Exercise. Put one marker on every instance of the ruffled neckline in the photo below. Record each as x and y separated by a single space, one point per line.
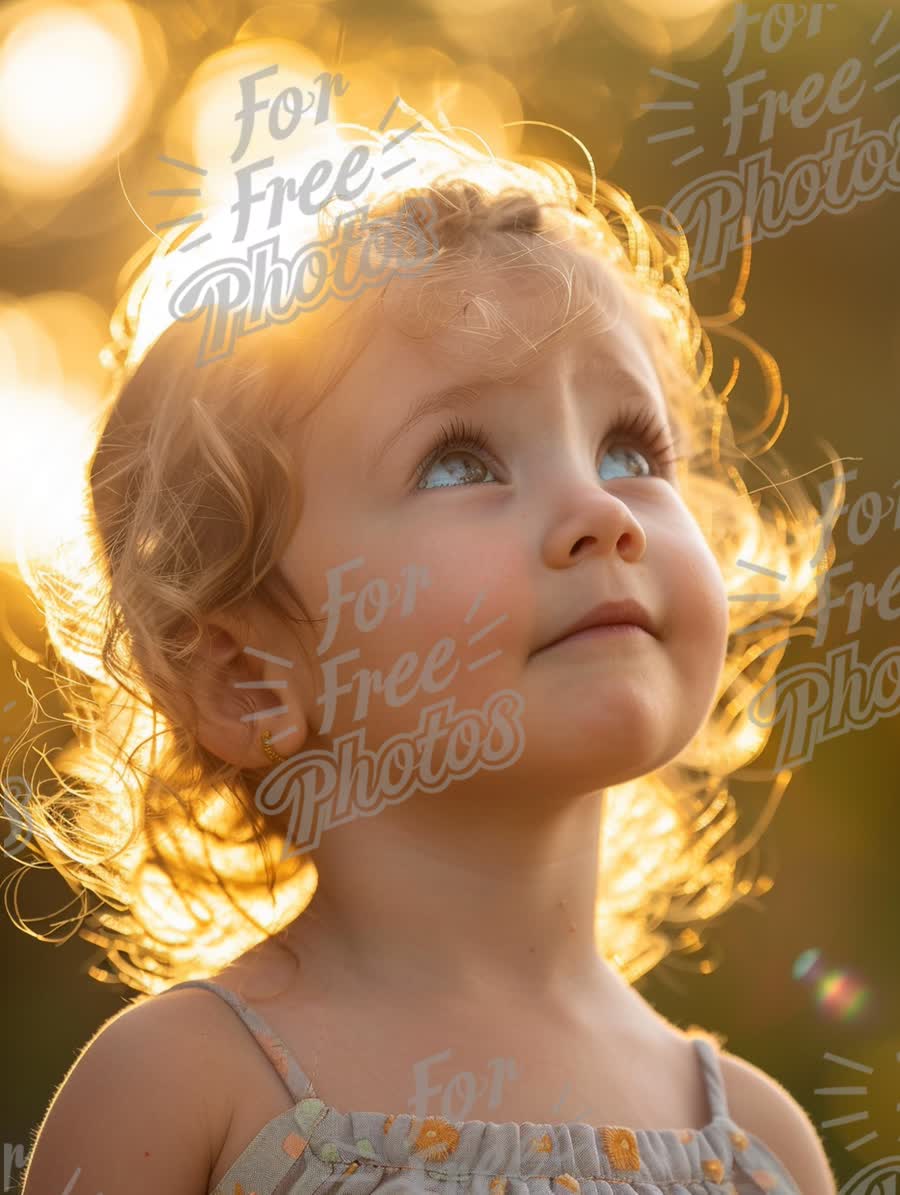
569 1151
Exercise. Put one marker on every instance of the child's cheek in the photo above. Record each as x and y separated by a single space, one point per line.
420 628
475 601
702 602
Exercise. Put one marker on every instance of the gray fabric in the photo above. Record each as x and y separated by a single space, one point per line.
313 1148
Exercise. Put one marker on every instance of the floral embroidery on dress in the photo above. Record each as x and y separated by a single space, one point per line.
764 1179
739 1139
307 1113
686 1136
497 1186
437 1139
714 1169
294 1145
542 1145
570 1183
622 1148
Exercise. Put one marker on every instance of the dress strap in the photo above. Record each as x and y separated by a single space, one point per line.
287 1067
707 1051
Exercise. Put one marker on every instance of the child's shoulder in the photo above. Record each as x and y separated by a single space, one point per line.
140 1109
174 1038
764 1107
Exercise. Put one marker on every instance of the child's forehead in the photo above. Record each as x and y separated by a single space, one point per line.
503 321
479 325
406 382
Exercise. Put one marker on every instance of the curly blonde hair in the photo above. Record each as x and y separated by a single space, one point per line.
192 497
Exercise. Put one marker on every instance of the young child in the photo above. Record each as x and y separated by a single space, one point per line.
414 684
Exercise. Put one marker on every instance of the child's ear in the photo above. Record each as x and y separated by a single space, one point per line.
247 679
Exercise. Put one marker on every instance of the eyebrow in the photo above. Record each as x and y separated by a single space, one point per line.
449 399
452 398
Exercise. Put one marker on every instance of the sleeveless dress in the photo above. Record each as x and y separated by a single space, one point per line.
313 1149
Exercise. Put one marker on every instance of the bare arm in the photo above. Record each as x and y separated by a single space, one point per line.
759 1103
139 1112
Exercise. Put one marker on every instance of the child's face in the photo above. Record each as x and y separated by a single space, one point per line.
556 517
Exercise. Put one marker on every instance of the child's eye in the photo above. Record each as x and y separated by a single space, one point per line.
643 428
459 436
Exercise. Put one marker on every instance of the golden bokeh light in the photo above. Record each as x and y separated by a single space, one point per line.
482 101
51 388
204 127
311 25
663 28
680 10
74 90
417 70
499 29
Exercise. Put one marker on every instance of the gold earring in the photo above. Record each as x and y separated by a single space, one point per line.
269 749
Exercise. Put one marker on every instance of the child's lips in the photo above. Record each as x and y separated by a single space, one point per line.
609 619
610 630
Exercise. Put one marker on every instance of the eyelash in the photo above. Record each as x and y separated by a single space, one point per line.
642 426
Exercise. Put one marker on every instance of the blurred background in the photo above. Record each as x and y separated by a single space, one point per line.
696 104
